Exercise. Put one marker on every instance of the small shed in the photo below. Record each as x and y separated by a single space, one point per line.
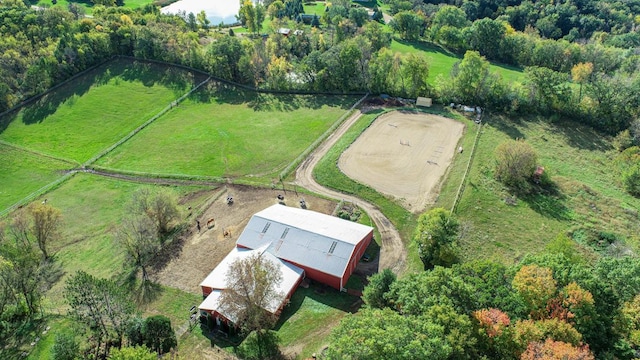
284 31
424 101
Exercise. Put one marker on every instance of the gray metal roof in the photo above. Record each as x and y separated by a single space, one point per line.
305 237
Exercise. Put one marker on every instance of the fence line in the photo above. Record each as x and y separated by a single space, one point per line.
55 87
243 86
139 128
294 164
35 194
466 172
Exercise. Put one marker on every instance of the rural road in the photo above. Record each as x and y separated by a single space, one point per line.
393 254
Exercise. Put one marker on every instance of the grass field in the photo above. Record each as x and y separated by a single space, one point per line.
87 5
227 132
91 208
442 61
89 114
587 198
311 314
23 172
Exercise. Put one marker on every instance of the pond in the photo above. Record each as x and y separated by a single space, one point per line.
218 11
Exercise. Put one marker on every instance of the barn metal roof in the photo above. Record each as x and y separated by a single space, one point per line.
305 237
216 280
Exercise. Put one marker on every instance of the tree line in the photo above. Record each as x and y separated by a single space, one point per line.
552 305
341 51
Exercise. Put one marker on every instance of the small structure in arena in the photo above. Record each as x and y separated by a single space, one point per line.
424 101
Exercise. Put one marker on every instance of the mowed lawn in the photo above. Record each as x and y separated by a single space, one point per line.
441 62
23 172
224 131
89 114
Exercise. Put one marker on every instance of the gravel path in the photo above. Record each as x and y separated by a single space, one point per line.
393 254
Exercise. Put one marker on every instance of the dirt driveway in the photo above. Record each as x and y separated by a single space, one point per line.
393 254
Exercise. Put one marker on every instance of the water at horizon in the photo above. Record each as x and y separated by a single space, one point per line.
217 10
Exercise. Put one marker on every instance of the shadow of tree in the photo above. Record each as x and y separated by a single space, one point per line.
223 93
548 201
511 127
142 292
322 294
149 74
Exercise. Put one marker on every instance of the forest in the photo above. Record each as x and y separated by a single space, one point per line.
579 60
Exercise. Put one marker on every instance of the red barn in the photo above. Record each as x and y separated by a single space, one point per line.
326 247
213 285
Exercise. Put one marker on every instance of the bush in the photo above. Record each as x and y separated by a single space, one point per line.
158 334
631 180
65 347
516 163
260 345
623 140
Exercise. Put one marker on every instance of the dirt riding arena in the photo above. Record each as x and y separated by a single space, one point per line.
202 250
404 154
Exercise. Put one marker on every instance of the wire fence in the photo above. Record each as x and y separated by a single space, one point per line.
466 172
294 164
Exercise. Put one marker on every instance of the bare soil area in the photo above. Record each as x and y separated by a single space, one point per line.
199 252
404 154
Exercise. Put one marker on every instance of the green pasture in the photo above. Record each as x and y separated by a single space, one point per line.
441 61
92 207
87 5
23 172
88 114
586 194
224 131
314 8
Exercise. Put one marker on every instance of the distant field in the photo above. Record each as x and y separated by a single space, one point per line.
91 113
441 61
88 6
224 131
22 173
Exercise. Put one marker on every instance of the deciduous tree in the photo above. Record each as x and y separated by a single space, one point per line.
536 286
252 286
516 162
46 222
550 349
374 293
436 236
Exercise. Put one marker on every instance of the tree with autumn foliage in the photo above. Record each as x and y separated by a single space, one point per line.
580 73
536 286
553 350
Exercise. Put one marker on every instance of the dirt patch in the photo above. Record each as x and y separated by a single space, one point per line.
404 154
203 250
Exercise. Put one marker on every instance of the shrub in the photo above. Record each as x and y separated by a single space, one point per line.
158 334
631 180
623 140
65 347
516 162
